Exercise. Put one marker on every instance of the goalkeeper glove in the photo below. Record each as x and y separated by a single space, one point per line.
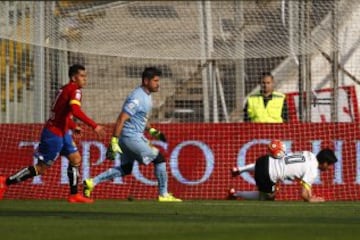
157 134
113 148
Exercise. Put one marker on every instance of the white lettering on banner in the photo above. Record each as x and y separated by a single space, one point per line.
357 162
316 145
338 178
209 161
86 145
63 172
241 158
140 177
174 162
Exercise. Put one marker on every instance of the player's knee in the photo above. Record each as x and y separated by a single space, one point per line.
126 169
270 197
75 164
159 159
75 159
267 196
41 168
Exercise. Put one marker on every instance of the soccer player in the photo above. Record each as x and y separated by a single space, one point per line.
275 149
129 141
269 171
56 136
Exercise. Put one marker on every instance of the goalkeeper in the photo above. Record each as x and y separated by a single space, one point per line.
270 170
129 141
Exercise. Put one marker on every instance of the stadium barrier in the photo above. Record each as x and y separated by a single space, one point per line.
199 158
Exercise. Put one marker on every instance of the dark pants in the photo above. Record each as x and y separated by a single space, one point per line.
262 177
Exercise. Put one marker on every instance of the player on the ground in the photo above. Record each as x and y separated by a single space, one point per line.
302 166
129 141
56 136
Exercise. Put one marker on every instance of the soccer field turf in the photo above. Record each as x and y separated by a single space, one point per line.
106 219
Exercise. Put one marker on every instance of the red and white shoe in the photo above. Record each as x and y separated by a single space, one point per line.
79 198
235 171
3 186
231 194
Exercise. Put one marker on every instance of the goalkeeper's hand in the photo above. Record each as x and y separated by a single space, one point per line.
113 149
157 134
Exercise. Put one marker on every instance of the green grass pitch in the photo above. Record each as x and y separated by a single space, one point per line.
106 219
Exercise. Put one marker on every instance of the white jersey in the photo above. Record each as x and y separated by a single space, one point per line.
298 165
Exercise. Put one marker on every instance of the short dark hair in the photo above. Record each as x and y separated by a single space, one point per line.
266 74
326 155
151 72
74 69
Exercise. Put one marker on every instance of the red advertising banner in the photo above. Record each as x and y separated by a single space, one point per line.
199 159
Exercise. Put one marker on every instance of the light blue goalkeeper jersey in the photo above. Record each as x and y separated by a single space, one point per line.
138 106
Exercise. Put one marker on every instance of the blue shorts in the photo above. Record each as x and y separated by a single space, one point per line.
52 145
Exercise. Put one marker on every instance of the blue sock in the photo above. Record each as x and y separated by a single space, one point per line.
107 175
161 175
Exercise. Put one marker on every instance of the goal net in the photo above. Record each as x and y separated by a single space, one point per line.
212 55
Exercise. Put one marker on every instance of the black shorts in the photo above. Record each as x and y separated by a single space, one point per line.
262 177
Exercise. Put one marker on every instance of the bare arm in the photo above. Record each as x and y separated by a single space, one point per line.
307 195
122 118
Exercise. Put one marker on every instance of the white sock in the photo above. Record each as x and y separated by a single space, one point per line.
247 168
248 195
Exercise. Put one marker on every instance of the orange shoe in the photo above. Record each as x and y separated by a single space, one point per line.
3 186
231 194
78 198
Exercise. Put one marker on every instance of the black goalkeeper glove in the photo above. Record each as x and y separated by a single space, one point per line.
157 134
